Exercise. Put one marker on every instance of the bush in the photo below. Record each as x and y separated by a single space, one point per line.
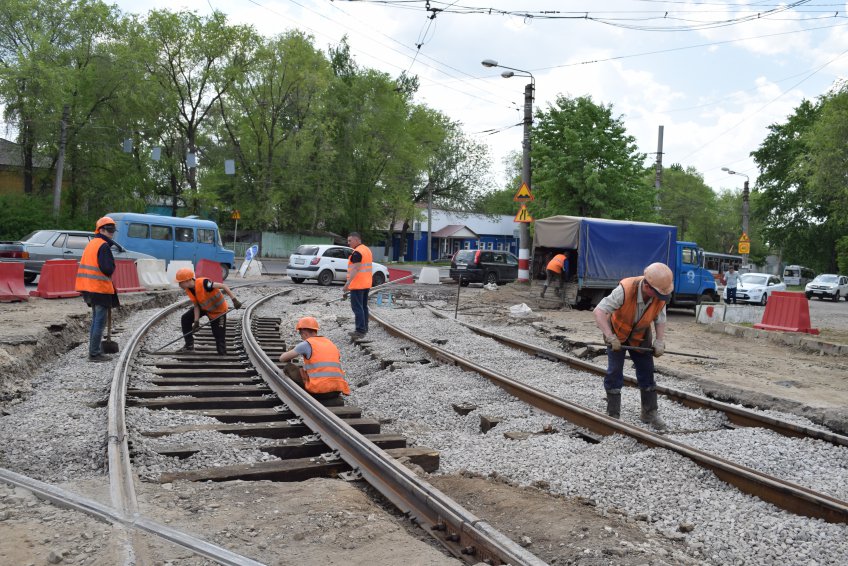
842 254
20 215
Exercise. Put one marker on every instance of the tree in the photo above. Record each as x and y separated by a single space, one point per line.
685 201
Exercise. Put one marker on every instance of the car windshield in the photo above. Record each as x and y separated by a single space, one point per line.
38 237
752 279
826 279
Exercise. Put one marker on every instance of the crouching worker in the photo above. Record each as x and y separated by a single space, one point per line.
322 374
208 300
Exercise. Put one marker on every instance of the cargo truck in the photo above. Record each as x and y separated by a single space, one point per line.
603 252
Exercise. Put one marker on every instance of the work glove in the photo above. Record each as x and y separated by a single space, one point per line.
236 303
613 342
659 348
196 326
345 295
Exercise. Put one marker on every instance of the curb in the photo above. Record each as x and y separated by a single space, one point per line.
797 339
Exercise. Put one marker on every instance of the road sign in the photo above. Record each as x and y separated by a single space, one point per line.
744 238
523 215
523 195
235 215
744 247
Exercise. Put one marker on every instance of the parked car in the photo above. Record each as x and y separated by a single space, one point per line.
42 245
327 263
483 266
827 285
756 287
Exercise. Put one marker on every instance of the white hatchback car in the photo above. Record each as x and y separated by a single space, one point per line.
756 287
828 285
327 263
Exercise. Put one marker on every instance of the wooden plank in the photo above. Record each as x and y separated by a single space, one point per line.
197 403
195 381
299 469
206 372
426 458
264 430
201 390
288 447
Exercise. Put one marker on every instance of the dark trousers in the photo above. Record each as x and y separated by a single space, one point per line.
219 330
642 361
731 295
95 333
359 306
551 275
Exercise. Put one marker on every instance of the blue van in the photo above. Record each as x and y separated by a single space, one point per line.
171 238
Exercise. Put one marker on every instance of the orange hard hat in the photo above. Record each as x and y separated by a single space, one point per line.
307 322
184 274
105 221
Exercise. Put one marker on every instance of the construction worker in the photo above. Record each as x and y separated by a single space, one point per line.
625 317
557 267
322 375
358 283
94 281
208 300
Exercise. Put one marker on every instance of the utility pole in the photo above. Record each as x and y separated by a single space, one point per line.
524 229
429 221
658 176
60 164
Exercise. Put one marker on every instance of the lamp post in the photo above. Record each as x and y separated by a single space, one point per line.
745 193
524 231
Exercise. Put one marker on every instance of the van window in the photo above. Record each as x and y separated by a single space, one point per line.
136 230
205 236
185 234
160 232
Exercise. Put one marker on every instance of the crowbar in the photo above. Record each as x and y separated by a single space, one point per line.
651 350
208 322
386 284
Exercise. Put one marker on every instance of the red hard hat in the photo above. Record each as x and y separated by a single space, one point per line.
184 274
105 221
307 322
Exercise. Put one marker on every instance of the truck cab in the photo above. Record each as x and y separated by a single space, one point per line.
693 283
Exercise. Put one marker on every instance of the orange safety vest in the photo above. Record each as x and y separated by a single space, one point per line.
622 319
557 263
89 276
363 277
324 373
211 302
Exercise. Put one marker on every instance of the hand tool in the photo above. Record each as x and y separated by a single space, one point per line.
651 350
108 346
188 333
386 284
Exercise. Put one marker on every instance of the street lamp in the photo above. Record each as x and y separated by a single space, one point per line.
745 193
529 90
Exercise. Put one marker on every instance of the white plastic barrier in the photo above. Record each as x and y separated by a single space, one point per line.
429 276
173 267
708 313
151 274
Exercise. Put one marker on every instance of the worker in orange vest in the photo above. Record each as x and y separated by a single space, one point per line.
358 283
557 267
208 299
94 281
625 317
322 374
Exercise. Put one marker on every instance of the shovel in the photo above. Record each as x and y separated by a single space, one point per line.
108 346
386 284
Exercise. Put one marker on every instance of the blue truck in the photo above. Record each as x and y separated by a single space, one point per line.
603 252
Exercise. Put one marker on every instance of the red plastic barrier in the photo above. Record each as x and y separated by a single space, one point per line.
12 282
395 274
209 269
788 312
125 278
57 279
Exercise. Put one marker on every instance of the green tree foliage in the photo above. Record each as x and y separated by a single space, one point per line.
585 163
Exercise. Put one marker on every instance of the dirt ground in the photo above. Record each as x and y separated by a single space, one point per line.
321 522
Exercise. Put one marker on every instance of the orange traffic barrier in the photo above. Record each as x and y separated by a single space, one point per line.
788 312
125 278
209 269
57 280
395 274
12 282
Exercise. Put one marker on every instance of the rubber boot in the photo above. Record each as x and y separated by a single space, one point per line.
614 403
649 409
545 288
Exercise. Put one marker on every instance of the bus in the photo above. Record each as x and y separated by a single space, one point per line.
718 264
798 275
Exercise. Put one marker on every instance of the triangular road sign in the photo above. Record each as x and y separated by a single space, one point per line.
523 215
523 194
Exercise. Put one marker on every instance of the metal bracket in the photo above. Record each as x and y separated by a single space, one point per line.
312 438
353 475
294 422
333 456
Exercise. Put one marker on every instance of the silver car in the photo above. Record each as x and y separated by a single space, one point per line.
827 285
42 245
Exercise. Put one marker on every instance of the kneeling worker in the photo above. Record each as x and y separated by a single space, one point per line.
208 300
625 317
322 374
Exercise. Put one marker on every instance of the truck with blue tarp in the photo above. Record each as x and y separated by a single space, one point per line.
602 252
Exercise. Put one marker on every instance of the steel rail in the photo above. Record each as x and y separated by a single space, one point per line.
786 495
464 535
736 415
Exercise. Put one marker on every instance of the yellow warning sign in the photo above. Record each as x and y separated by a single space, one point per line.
744 238
235 215
744 247
523 195
523 215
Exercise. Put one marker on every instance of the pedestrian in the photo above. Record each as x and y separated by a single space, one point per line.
556 268
358 283
208 300
730 281
322 374
625 317
94 281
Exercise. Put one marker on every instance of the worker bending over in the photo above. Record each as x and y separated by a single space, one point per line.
322 374
208 300
625 317
557 267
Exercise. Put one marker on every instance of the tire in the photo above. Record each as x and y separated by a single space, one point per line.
809 296
298 280
29 277
764 300
464 282
491 277
378 279
836 297
325 277
225 272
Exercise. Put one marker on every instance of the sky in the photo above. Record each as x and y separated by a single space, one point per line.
714 73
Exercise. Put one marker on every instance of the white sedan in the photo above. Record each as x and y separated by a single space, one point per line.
756 287
327 263
827 285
